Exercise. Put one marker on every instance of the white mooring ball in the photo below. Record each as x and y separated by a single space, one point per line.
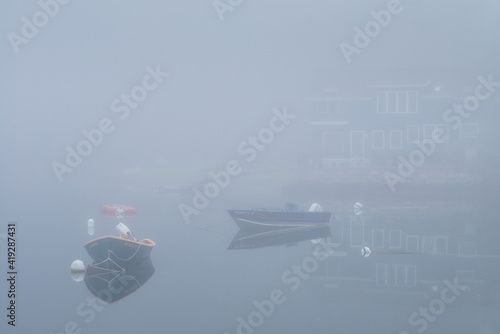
365 251
77 270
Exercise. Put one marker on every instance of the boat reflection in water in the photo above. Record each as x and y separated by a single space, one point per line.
120 266
273 227
111 282
266 237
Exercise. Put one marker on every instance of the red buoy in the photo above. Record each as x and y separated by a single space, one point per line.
117 210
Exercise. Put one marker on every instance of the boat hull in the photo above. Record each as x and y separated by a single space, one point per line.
270 218
123 249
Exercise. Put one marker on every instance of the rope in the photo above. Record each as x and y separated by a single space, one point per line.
383 251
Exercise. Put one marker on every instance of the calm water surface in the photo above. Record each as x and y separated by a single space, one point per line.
433 268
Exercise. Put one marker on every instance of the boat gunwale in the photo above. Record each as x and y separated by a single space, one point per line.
143 242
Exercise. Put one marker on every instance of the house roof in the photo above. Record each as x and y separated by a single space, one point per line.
364 82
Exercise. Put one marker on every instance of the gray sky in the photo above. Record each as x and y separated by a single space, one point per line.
225 76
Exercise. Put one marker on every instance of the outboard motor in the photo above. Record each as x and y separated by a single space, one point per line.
315 207
124 231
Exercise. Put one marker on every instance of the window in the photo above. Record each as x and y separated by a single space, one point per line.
392 102
380 274
333 107
357 233
324 107
357 144
382 102
411 275
396 275
395 239
412 243
378 238
427 244
396 139
338 237
397 102
436 132
333 145
391 274
378 139
469 130
435 245
412 135
441 245
467 248
320 106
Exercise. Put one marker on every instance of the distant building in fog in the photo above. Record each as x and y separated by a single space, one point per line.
370 117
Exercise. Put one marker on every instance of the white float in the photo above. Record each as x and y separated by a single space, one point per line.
90 226
365 251
77 270
358 208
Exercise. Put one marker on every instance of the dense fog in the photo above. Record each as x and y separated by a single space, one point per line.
383 112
